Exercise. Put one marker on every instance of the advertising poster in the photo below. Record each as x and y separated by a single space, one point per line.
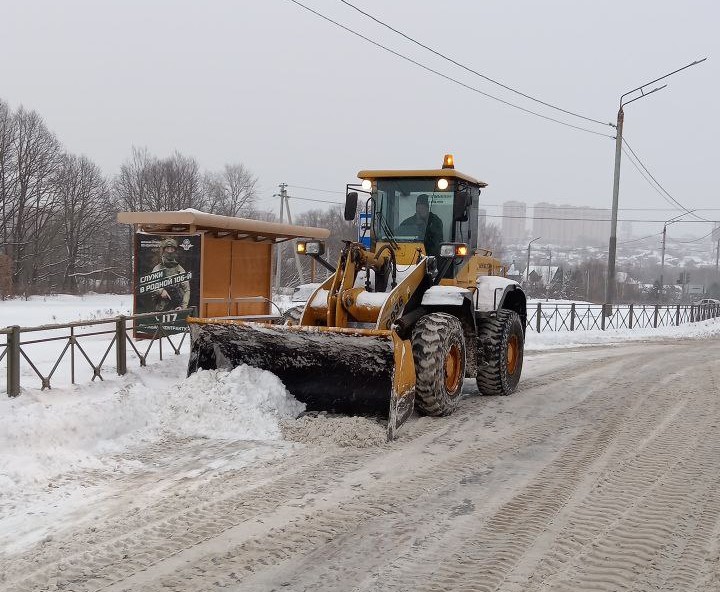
168 280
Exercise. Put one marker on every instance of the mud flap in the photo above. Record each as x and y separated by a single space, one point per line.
348 371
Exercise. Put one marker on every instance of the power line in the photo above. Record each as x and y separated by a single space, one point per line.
464 67
664 191
450 78
315 189
555 207
695 240
636 240
546 207
338 203
592 219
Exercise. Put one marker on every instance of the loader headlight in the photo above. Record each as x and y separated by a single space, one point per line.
367 184
442 184
454 250
311 248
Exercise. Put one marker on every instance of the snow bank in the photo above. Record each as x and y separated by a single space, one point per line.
58 432
63 308
564 339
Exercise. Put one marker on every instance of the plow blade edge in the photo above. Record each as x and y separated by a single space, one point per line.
347 371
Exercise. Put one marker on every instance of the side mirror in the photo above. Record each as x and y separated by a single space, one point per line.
463 199
351 201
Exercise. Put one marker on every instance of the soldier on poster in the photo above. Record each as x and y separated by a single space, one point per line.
173 296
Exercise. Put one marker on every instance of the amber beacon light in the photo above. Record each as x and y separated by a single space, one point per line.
448 162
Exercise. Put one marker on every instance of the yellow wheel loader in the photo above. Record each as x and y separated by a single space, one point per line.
411 309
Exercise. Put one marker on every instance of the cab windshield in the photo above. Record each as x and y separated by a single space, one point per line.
414 210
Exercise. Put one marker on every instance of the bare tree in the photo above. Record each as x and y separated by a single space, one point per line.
84 198
490 237
35 154
148 183
130 185
8 172
231 192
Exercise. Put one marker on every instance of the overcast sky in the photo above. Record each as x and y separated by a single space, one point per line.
298 100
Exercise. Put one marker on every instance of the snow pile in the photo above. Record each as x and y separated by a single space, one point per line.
243 404
56 432
563 339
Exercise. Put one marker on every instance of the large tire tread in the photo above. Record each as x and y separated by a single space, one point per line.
494 333
432 338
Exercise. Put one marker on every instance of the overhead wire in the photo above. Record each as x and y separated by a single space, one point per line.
449 78
315 189
472 71
338 203
546 207
590 219
659 185
636 240
695 240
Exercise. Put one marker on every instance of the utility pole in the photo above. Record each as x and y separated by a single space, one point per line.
549 264
297 257
279 246
610 285
610 280
662 263
547 289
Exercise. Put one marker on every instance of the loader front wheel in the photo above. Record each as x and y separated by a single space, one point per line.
501 343
438 348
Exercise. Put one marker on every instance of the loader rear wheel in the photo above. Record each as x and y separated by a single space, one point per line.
501 340
438 348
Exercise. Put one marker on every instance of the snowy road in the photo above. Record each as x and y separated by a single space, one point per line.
601 473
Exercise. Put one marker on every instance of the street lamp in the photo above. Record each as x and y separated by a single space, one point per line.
610 284
662 259
527 268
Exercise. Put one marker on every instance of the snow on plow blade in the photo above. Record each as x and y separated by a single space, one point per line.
348 371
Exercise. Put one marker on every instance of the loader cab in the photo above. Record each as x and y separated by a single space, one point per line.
418 210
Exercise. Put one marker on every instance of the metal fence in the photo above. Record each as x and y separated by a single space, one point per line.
74 339
586 317
74 336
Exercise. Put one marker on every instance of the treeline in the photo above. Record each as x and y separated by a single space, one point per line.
58 209
59 229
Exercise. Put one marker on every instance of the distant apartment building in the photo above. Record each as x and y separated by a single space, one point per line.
482 217
571 225
513 222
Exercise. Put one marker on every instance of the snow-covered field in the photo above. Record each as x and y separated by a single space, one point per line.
62 451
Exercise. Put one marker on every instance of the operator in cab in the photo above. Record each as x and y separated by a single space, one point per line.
427 226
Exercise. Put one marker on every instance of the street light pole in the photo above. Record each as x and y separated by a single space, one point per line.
662 258
612 248
527 268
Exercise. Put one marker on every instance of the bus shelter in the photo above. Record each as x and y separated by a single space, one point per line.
221 265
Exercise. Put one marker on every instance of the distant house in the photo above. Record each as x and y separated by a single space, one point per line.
545 275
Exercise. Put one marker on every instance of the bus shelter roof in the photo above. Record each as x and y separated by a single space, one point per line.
240 228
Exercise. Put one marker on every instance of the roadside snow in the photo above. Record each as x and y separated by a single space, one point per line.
60 431
63 308
566 339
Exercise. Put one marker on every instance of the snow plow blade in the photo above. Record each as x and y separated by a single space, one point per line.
347 371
